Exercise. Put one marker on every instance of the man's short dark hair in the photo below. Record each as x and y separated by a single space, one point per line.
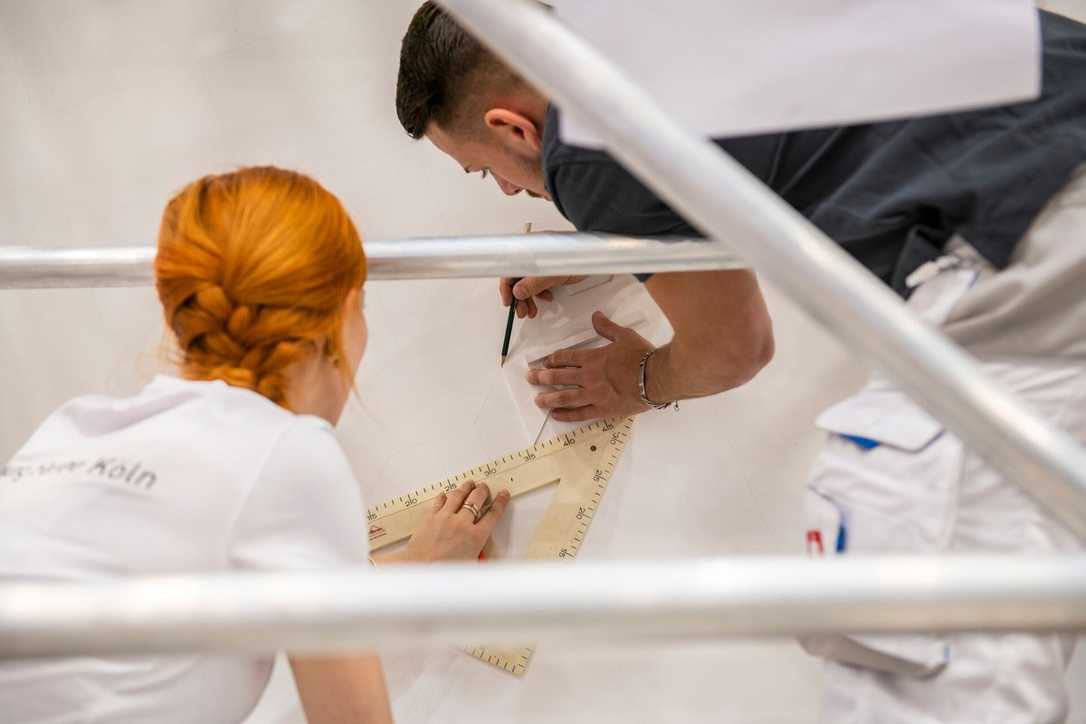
441 67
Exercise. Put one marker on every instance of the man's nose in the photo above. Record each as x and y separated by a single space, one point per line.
507 188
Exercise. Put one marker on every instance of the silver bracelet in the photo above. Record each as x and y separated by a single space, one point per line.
641 384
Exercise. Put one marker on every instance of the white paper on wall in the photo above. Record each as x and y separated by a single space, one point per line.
732 67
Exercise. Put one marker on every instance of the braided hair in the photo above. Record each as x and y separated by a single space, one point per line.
252 271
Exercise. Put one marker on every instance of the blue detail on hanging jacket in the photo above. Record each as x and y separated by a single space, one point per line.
865 442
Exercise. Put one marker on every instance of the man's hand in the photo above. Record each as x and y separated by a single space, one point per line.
604 381
528 289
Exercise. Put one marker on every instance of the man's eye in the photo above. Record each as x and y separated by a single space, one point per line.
485 172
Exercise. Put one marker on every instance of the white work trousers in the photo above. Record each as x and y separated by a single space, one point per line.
900 483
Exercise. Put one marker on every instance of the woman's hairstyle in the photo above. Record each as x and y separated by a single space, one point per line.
252 270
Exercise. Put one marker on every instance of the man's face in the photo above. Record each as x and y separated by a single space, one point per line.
513 162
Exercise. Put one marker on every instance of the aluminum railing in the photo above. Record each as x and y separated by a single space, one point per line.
538 254
495 603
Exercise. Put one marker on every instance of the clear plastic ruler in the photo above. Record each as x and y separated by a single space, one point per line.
580 462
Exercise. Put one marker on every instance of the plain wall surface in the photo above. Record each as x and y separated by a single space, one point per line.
107 108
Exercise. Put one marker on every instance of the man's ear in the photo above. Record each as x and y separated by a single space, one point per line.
513 128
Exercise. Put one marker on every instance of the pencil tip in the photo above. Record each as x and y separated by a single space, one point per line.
502 363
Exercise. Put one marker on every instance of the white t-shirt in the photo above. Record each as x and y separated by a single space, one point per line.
184 477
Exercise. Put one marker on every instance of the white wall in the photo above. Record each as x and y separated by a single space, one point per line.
108 107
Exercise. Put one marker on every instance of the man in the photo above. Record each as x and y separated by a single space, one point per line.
978 218
448 90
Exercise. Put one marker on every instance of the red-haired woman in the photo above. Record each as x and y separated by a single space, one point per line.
231 466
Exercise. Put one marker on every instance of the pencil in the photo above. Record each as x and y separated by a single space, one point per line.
512 314
508 330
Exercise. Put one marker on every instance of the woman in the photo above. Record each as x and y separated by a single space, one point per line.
233 466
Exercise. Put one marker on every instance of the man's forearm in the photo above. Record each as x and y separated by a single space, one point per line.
722 334
677 374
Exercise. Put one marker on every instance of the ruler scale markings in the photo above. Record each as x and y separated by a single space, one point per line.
566 460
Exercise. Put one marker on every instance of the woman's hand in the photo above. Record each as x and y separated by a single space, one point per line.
352 689
450 531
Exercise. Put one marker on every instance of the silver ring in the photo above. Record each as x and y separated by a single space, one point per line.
475 512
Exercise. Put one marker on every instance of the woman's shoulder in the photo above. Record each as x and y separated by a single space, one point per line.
304 508
307 446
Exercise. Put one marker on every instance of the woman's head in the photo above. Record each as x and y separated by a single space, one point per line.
259 272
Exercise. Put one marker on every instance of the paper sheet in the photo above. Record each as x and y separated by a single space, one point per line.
567 322
731 67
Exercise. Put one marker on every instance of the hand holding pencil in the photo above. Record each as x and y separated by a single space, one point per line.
520 295
512 302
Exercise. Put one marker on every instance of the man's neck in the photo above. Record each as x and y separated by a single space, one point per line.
534 106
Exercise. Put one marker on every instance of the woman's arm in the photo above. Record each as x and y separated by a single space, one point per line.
342 690
351 689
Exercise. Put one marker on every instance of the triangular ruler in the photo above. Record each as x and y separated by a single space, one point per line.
580 462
